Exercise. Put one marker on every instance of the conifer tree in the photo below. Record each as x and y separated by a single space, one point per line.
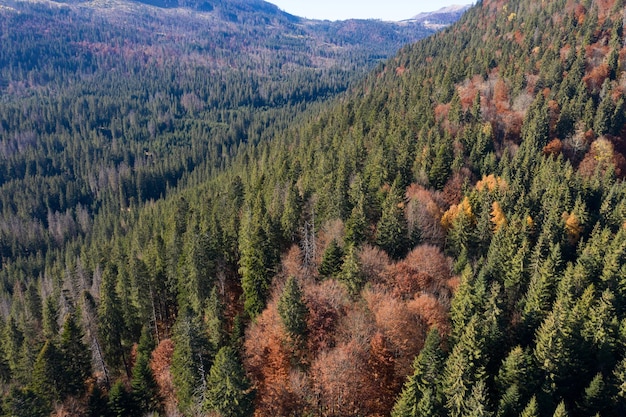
229 392
111 325
421 395
214 319
292 309
76 357
531 409
356 225
253 264
463 370
351 274
392 228
50 318
331 260
120 401
190 360
48 374
560 411
144 389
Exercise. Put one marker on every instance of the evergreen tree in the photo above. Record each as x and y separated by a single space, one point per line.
392 228
214 319
253 264
76 357
292 309
421 395
560 411
48 374
331 260
111 325
463 370
351 274
229 392
50 318
531 409
190 360
120 401
143 385
356 225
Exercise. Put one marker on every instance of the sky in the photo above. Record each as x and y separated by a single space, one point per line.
362 9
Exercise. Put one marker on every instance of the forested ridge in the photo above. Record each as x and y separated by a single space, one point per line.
445 238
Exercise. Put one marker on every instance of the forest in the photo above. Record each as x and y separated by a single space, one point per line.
437 233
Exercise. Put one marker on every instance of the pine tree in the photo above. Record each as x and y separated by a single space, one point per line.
331 260
111 325
351 274
463 370
292 309
190 360
76 357
560 411
421 395
120 401
392 228
229 391
50 318
144 389
253 264
356 225
531 409
49 374
214 319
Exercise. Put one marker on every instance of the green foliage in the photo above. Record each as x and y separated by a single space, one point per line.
120 401
392 229
144 389
421 395
351 274
191 359
292 309
331 260
229 392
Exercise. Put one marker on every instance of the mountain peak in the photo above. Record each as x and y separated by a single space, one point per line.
441 18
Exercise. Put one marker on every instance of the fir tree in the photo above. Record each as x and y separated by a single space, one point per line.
229 392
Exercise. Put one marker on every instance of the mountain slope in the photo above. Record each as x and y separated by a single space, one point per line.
445 238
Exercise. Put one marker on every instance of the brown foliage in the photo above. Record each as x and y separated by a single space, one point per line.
385 384
595 78
600 157
403 328
553 148
431 310
425 269
339 381
160 363
424 210
267 361
501 96
492 183
453 190
327 302
441 111
292 263
373 261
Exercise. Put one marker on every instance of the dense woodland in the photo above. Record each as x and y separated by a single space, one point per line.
446 237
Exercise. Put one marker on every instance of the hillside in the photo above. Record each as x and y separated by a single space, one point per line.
107 104
444 238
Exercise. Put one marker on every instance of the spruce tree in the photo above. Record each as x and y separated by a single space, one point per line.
331 260
392 228
292 309
76 357
421 395
229 392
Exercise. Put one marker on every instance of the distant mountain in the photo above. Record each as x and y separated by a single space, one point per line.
442 17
